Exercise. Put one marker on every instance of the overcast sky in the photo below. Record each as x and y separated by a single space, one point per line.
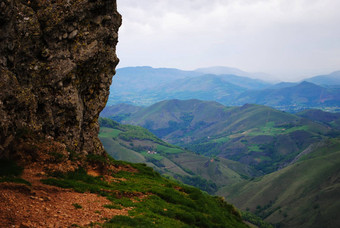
289 39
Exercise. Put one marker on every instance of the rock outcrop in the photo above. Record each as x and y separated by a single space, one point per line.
57 59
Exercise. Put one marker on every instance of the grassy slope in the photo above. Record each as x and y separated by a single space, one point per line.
206 173
255 135
305 194
153 201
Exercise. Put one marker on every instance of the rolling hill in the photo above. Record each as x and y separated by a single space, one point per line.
255 135
295 157
303 194
136 144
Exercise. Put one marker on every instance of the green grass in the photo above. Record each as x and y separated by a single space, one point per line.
120 152
14 180
135 132
302 193
112 206
168 203
271 129
247 216
221 140
254 148
154 156
108 132
168 150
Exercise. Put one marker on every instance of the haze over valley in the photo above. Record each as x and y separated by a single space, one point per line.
144 86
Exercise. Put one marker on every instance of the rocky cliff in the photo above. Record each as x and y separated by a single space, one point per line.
57 59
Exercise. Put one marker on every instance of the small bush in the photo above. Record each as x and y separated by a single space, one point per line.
9 168
77 206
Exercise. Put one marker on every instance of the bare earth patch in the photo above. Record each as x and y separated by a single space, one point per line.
42 205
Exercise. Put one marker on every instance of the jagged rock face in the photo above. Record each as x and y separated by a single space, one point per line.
57 59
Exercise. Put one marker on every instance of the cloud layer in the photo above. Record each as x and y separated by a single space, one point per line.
289 39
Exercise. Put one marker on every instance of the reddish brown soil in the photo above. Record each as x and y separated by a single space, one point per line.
42 205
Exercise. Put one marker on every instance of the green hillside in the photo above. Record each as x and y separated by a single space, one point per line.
304 194
135 144
255 135
329 118
301 156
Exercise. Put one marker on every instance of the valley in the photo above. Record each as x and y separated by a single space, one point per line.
255 135
137 145
280 166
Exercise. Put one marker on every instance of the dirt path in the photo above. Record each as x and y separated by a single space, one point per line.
42 205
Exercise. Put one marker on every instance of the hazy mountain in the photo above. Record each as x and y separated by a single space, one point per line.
146 85
119 109
245 82
283 85
305 94
205 87
218 70
136 85
145 77
329 79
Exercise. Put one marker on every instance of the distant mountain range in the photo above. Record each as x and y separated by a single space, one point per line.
300 96
144 86
327 80
222 70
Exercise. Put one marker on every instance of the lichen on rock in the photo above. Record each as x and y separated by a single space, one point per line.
57 59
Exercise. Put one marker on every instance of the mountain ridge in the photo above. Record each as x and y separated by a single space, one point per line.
228 89
251 134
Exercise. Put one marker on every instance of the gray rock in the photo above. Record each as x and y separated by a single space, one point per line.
62 95
73 34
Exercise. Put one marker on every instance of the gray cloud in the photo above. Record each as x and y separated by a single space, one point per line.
289 39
